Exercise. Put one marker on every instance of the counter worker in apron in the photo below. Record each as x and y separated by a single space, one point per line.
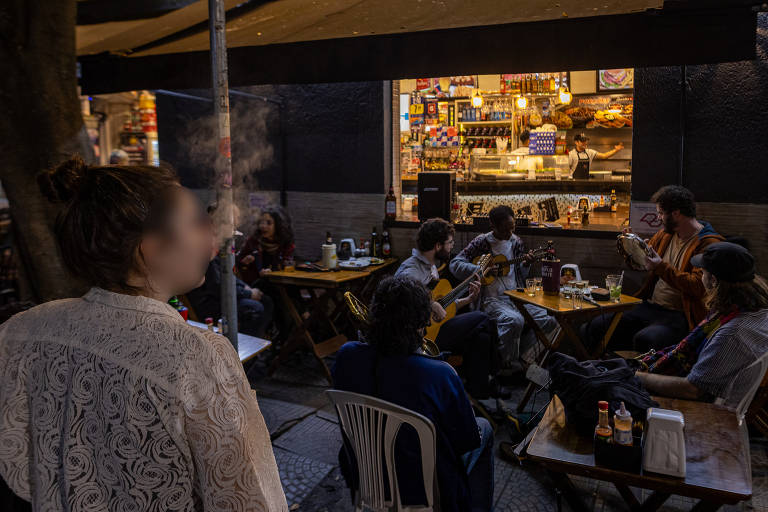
580 157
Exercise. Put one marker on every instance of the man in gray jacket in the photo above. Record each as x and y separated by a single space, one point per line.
470 334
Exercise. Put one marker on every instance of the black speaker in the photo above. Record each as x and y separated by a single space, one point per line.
436 194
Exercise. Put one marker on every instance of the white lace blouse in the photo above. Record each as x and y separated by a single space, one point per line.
112 402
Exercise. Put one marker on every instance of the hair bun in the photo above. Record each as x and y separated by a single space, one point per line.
62 183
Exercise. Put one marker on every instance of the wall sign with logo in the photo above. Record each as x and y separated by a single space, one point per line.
643 218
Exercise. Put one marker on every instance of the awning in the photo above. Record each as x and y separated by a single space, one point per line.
296 41
290 21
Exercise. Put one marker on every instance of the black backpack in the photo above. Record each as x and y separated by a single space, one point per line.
581 384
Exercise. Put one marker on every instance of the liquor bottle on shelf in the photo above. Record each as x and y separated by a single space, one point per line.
390 204
614 202
552 84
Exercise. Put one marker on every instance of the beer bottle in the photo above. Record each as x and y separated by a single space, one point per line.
328 239
375 244
390 205
386 245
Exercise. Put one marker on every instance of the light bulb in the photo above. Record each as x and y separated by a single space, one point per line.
565 96
477 100
521 102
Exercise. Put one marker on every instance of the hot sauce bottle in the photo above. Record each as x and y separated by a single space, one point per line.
603 430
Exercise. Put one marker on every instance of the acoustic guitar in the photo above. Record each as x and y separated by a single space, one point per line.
446 296
501 266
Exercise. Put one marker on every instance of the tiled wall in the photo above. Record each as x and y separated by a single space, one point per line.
517 201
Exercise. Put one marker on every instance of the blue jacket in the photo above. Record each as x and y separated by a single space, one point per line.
429 387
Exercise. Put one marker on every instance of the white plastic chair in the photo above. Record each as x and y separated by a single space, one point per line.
371 426
742 389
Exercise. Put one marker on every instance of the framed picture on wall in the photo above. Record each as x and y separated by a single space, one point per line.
620 79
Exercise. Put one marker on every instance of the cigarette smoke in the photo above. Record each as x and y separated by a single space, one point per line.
252 156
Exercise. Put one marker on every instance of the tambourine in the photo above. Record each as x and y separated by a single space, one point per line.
633 249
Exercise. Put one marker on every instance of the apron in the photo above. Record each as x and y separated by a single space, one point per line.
582 168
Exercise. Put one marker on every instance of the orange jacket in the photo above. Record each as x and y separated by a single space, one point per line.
688 280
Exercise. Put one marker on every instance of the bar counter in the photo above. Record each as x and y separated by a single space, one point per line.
593 186
602 225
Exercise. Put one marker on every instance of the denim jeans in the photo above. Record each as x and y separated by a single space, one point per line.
479 464
473 336
254 316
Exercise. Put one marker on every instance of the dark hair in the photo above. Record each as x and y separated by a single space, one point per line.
399 310
675 197
524 136
499 214
747 296
433 231
107 211
283 228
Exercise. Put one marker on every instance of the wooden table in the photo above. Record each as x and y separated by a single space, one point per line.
334 283
716 451
569 319
248 346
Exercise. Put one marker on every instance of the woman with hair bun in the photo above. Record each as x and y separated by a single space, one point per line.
111 401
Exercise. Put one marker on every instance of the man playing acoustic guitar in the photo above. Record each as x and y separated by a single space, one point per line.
471 335
514 337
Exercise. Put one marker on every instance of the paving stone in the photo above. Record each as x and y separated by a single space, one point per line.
311 396
526 489
299 475
315 438
331 495
278 413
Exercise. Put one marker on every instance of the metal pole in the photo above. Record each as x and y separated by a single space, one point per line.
224 216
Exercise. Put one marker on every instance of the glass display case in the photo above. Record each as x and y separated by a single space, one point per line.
511 166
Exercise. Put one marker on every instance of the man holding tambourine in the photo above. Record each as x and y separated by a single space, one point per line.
673 292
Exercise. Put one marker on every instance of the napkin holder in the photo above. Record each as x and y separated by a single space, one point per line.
664 450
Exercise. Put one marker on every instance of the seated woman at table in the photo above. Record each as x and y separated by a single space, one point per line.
708 363
388 366
111 401
254 308
269 248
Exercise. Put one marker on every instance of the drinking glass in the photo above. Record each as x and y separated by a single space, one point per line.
613 283
579 290
530 287
577 299
537 284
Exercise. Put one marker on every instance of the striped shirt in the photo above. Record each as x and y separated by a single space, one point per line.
732 348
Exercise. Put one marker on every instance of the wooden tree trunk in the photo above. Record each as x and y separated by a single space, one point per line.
40 125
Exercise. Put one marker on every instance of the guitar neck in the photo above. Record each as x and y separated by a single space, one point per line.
450 297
